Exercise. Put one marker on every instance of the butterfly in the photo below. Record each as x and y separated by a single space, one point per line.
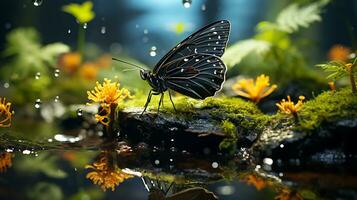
193 67
161 190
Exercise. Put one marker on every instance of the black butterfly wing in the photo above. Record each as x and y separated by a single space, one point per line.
197 76
211 39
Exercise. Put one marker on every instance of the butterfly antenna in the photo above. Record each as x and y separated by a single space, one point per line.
130 69
128 63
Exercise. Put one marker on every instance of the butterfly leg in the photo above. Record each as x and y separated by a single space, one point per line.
172 101
160 102
147 102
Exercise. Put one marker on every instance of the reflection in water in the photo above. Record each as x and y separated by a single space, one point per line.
5 161
105 173
161 190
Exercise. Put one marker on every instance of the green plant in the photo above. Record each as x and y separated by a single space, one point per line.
83 14
26 58
338 69
272 48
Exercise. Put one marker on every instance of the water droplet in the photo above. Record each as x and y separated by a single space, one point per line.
26 152
268 161
203 7
153 51
6 85
38 103
146 31
281 145
219 37
186 3
215 33
171 160
79 112
197 60
37 2
85 25
69 31
157 162
56 98
185 59
57 72
281 174
38 75
9 150
50 140
214 165
103 30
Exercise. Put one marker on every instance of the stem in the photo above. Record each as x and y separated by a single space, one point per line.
81 39
352 79
110 129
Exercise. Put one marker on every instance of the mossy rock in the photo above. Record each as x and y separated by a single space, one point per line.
196 126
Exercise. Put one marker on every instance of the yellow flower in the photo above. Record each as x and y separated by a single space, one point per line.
254 180
105 173
254 91
82 12
5 113
5 161
289 107
107 94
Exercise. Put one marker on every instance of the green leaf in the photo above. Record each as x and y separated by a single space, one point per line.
294 17
241 49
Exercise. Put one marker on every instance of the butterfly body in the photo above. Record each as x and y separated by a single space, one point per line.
192 68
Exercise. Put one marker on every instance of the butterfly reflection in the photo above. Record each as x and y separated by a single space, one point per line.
161 190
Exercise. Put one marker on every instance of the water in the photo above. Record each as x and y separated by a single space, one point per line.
57 140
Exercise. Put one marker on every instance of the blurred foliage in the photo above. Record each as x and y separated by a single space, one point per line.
88 194
337 69
26 58
273 50
43 163
27 55
45 191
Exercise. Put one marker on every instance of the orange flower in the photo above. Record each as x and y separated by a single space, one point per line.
256 181
339 52
254 91
88 71
287 194
332 85
105 173
289 107
70 62
104 61
5 161
5 113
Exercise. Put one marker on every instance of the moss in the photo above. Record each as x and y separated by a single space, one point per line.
229 128
326 107
229 143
